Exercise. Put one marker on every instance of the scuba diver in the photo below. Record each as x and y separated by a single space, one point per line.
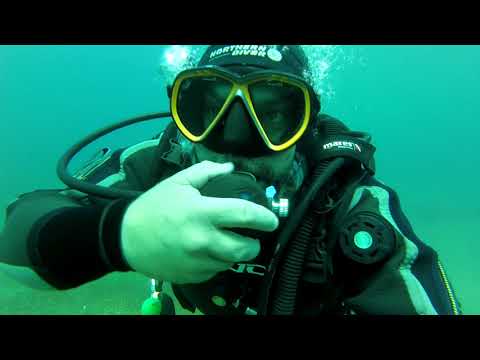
251 202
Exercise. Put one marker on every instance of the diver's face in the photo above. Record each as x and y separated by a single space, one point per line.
267 169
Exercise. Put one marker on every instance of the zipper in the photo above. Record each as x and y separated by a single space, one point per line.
448 288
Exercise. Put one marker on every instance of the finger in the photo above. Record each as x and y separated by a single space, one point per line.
230 248
210 264
209 268
238 213
199 174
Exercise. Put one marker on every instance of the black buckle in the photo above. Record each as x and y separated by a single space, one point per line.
318 264
173 157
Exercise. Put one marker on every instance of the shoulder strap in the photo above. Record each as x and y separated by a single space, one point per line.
330 138
168 156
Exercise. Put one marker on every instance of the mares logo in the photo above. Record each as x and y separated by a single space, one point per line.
342 145
240 50
249 269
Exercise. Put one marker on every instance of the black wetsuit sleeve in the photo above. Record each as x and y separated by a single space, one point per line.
70 238
65 242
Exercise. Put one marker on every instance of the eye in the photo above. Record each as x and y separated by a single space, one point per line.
274 115
274 119
214 102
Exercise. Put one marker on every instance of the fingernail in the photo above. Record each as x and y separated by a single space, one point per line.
253 252
229 166
277 222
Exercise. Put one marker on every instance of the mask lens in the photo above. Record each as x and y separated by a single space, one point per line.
280 108
200 100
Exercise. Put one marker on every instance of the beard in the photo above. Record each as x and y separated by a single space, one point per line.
275 169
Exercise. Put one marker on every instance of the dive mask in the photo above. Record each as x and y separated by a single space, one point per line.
252 114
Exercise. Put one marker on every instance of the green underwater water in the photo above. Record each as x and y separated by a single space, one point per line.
420 103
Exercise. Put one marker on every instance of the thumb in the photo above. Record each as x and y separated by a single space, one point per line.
199 174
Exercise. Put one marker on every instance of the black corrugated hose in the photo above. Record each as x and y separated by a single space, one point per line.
284 299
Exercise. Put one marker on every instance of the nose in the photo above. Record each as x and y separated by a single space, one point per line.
238 127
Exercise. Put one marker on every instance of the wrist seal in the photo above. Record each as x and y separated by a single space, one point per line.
110 235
